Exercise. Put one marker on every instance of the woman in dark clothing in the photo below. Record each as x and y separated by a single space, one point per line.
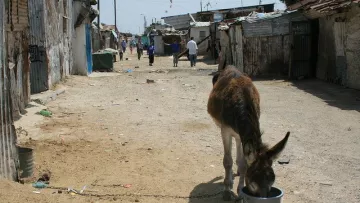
151 51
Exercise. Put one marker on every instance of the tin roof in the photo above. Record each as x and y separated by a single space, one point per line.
322 6
200 24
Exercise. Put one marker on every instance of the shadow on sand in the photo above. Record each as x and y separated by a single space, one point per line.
210 188
334 95
208 60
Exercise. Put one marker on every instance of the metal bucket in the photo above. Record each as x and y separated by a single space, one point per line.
26 162
275 196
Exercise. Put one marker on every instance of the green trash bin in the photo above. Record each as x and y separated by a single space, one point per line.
103 61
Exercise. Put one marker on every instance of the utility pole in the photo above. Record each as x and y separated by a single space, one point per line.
201 5
100 43
98 18
260 2
115 16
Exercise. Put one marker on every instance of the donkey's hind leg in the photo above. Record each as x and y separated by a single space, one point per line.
227 162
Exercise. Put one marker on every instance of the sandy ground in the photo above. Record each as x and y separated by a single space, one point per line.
113 129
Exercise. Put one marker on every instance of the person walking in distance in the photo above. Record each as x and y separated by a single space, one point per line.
139 49
175 48
150 52
192 46
123 46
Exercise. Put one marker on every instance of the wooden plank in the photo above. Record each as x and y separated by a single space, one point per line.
198 43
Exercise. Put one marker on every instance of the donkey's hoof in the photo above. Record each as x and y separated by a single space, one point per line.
228 195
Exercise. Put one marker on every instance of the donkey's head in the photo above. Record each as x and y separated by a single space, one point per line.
260 175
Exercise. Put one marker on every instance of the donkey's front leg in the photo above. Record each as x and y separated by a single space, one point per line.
241 163
228 162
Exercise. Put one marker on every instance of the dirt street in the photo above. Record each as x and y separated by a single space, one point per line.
114 129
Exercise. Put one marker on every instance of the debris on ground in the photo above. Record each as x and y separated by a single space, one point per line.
39 184
150 81
127 186
20 131
137 67
128 71
326 183
158 71
284 160
45 113
44 178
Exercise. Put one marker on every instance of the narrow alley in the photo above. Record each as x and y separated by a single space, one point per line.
128 140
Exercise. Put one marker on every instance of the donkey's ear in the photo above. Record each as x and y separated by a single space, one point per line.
215 78
275 151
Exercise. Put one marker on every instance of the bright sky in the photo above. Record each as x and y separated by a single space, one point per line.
129 18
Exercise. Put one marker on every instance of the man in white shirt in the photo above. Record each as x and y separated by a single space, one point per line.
192 46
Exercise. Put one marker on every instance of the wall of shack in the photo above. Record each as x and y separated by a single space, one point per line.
262 47
9 162
195 32
339 48
17 51
57 35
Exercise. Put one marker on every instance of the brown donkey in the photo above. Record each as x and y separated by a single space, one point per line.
234 104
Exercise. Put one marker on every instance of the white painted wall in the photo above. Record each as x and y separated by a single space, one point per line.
195 32
159 45
79 43
79 51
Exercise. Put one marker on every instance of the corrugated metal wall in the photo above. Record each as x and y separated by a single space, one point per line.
39 67
8 150
236 43
263 47
271 27
17 50
266 55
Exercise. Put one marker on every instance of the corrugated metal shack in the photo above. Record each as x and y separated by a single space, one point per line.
109 34
339 39
262 46
8 150
50 42
200 30
17 46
